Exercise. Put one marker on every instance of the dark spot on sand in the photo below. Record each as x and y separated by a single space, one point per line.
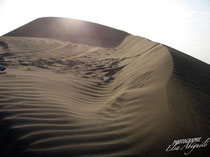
4 45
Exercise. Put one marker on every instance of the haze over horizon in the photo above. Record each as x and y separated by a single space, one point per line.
183 25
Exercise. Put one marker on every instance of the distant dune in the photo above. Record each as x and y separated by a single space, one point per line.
75 88
71 30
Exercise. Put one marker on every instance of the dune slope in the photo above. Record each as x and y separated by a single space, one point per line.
71 30
61 98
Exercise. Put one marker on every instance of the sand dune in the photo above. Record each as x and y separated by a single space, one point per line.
71 30
98 93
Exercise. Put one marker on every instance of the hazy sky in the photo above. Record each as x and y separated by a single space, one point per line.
181 24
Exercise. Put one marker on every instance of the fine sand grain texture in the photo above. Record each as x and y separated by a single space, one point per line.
74 88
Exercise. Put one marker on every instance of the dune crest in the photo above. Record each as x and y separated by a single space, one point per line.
107 95
71 30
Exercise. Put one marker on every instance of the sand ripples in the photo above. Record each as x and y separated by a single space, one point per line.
44 112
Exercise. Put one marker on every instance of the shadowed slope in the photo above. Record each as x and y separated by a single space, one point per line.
191 83
71 30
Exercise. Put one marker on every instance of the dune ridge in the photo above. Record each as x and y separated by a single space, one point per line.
55 102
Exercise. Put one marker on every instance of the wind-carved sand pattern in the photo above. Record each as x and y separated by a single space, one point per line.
54 100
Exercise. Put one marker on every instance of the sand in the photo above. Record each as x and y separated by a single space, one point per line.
90 90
